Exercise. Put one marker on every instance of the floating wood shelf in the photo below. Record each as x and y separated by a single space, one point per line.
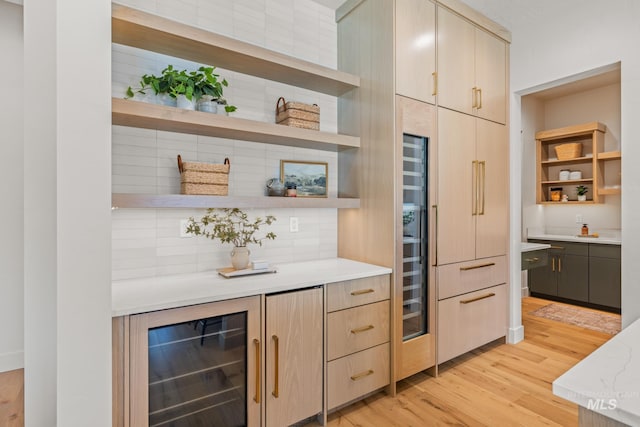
125 200
127 112
143 30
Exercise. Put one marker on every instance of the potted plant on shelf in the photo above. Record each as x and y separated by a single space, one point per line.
232 225
149 87
224 108
581 190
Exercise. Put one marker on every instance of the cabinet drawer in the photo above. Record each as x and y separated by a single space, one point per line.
469 276
356 292
565 248
356 375
471 320
357 328
534 259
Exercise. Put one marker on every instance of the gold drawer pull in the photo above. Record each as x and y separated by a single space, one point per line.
362 292
257 346
361 375
362 329
467 301
535 259
473 267
276 389
556 247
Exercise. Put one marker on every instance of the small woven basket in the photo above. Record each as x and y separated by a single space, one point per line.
204 178
569 151
297 114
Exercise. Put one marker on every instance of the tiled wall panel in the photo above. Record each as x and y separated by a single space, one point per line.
147 242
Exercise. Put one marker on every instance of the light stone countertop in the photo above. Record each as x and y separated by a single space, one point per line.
608 380
158 293
529 247
604 240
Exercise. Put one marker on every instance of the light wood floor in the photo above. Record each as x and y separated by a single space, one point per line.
496 385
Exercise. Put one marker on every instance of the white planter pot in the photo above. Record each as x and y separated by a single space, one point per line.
165 99
240 258
207 104
221 110
184 103
582 198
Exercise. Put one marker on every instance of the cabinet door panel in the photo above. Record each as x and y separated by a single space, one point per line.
493 213
456 187
415 49
604 281
491 76
456 53
294 346
543 280
573 277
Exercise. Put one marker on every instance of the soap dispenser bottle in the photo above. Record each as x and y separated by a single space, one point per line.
585 230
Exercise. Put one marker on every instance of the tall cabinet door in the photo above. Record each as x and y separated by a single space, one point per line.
293 360
491 77
492 219
456 62
415 49
457 187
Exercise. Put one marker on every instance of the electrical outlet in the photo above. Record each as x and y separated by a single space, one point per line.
579 219
184 223
293 224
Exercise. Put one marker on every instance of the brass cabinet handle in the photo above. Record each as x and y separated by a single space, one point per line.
482 186
474 97
553 264
435 243
361 375
535 259
559 265
435 83
256 343
480 98
473 267
474 187
362 329
362 292
557 247
467 301
275 391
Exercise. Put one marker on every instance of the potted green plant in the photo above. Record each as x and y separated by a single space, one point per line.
149 86
224 108
582 191
232 225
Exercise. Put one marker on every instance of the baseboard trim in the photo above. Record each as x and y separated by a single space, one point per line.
515 335
11 361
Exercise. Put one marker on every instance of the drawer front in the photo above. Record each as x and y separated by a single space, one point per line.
357 328
352 293
604 251
471 320
566 248
533 259
469 276
356 375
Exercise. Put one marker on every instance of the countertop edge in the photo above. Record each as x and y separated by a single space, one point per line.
134 296
575 239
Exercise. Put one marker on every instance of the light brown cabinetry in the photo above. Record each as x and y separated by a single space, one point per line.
472 188
293 360
416 49
591 163
472 68
357 339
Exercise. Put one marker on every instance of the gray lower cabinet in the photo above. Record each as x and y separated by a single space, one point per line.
566 274
604 275
581 272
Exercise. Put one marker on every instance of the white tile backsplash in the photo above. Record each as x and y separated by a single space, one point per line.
147 242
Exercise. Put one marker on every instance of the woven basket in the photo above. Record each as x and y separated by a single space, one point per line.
204 178
569 151
297 114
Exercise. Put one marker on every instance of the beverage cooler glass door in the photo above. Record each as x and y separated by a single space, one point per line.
199 370
414 236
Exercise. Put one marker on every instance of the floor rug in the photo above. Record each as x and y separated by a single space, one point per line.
598 321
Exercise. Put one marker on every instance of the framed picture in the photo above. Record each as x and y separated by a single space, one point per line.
310 178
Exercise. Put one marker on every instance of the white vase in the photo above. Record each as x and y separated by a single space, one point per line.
184 103
582 197
240 258
221 110
207 104
165 99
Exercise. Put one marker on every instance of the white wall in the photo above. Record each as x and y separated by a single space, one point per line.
11 187
67 148
553 40
147 242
